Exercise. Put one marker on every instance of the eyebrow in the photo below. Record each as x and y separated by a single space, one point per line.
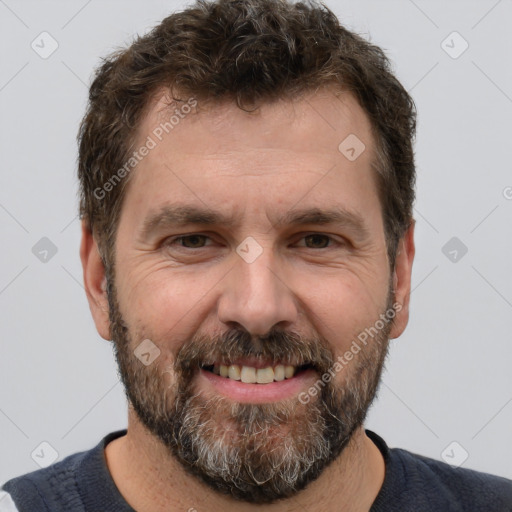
184 215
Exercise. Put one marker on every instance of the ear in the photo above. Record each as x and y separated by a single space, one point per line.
95 282
402 281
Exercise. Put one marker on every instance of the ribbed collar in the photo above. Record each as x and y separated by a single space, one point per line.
99 492
95 484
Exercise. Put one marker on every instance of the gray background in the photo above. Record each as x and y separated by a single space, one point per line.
448 377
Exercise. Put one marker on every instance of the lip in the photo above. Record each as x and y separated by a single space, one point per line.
255 363
257 393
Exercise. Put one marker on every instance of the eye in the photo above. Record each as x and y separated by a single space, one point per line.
318 241
194 241
198 241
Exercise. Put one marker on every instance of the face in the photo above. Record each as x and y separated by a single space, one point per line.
250 261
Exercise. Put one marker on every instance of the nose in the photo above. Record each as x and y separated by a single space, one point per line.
257 297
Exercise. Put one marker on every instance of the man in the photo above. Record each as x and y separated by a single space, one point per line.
246 174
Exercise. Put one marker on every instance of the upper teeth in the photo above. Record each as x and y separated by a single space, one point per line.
250 375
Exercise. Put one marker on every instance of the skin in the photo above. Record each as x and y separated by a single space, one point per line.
257 167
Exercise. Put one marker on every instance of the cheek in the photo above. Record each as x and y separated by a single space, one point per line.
160 295
344 307
166 309
169 305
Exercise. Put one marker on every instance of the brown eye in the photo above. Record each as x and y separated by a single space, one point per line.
194 241
318 240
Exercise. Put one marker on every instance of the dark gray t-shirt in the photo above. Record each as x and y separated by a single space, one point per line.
413 483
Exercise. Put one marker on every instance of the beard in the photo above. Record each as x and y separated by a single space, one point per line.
256 453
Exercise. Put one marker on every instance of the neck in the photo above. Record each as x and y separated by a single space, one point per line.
150 479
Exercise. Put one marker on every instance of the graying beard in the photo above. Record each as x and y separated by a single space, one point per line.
217 457
188 427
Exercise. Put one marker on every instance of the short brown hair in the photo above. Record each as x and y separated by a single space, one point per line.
247 51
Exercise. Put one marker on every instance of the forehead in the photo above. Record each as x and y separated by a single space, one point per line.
319 119
223 157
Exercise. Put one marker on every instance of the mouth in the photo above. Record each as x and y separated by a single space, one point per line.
256 372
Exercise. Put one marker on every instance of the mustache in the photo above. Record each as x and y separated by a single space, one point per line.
275 348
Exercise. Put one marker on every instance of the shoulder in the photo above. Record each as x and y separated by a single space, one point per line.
455 487
61 485
45 489
414 482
